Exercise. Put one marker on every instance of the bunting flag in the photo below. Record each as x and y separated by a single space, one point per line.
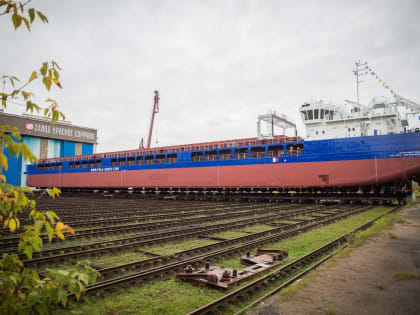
380 80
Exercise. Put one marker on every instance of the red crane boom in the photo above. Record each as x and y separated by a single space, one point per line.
152 120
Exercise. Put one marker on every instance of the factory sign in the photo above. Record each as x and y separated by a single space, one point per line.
39 127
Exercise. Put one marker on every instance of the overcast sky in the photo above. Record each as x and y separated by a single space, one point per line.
216 64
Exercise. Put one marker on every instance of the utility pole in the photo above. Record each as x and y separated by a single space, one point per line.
361 70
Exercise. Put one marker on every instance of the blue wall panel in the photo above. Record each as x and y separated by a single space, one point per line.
68 148
13 172
87 148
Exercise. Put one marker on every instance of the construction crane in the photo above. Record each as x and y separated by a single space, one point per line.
152 120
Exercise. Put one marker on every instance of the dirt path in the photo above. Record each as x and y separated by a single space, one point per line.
364 281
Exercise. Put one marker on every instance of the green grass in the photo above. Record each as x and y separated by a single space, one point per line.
258 228
406 276
171 248
164 297
286 221
229 234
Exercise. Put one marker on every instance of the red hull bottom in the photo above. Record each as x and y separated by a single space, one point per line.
312 174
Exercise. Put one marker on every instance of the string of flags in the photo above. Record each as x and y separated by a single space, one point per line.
380 80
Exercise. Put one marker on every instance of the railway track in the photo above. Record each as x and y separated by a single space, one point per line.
152 239
278 277
176 262
11 242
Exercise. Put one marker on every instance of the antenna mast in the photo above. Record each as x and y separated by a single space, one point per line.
361 70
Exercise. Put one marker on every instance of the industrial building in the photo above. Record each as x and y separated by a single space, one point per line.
46 140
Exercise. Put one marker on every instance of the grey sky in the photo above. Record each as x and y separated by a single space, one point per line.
216 64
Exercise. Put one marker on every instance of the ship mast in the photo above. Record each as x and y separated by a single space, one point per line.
360 71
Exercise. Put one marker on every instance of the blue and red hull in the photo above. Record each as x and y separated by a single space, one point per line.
325 163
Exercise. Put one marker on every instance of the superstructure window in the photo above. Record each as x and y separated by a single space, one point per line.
59 166
92 163
98 163
140 160
160 158
77 165
113 162
172 158
196 156
241 153
131 161
294 149
316 111
84 164
322 113
150 159
211 155
310 115
121 162
225 154
40 167
71 165
275 150
257 152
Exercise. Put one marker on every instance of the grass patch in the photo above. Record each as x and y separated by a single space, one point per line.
302 244
229 234
164 297
406 275
258 228
292 289
233 263
286 222
171 248
303 217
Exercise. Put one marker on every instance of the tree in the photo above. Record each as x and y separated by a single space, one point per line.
22 289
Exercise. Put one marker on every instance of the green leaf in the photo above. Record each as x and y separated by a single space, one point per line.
28 251
42 17
50 217
31 13
62 296
50 230
53 295
55 116
84 278
56 75
17 20
44 68
47 82
28 26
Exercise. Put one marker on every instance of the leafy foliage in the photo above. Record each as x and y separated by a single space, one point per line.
23 290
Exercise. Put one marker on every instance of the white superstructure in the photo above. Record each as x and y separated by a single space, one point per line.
382 116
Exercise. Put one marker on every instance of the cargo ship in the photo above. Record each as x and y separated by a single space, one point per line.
363 147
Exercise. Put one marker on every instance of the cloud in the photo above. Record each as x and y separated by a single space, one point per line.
217 64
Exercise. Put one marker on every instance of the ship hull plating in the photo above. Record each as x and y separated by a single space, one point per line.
280 174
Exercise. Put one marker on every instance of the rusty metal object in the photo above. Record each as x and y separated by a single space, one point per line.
224 278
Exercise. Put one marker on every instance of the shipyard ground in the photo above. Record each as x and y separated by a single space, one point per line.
381 276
